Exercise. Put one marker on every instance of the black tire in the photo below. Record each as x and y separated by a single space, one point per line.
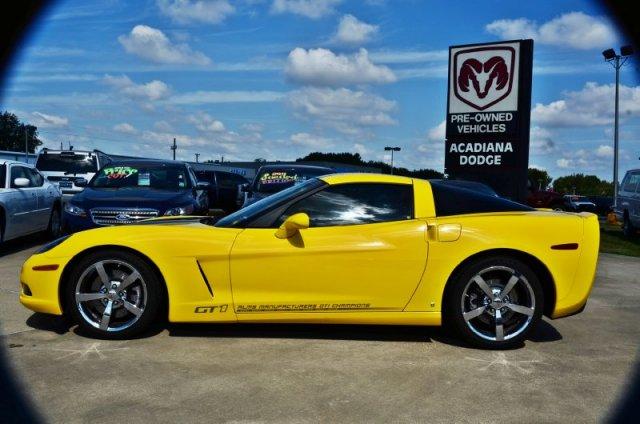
480 328
54 229
144 293
628 229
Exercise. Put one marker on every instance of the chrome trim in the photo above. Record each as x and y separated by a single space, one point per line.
119 216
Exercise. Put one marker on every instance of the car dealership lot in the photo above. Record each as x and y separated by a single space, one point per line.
574 368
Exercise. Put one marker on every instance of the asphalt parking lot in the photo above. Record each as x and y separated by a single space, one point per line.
572 369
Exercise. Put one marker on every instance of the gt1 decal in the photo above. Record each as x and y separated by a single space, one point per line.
210 309
305 307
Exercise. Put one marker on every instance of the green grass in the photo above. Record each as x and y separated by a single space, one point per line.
613 241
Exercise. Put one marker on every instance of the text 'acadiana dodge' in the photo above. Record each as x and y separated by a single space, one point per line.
494 158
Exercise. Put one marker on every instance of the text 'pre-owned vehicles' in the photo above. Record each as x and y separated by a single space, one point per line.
628 208
70 169
133 190
28 202
341 248
223 189
271 179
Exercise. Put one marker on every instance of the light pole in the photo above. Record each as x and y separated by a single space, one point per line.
197 156
392 149
614 59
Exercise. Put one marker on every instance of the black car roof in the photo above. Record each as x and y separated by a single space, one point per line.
145 162
290 166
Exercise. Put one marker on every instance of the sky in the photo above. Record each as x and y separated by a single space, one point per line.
277 79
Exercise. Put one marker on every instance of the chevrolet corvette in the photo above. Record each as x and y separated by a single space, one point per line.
340 248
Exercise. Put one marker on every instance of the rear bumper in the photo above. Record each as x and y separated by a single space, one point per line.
576 299
40 288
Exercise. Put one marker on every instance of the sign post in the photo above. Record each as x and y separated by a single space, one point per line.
488 115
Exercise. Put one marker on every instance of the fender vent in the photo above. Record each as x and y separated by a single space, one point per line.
204 277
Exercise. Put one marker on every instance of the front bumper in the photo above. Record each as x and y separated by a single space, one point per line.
40 289
75 223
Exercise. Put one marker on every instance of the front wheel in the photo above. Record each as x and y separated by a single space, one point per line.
495 302
54 229
113 295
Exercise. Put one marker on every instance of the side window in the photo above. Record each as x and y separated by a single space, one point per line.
20 172
36 179
352 204
630 183
226 180
3 175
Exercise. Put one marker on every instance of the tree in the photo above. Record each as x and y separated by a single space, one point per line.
356 159
588 185
539 178
12 134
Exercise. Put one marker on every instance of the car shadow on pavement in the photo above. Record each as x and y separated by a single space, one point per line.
545 332
17 245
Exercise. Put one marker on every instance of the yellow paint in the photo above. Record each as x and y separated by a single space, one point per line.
386 273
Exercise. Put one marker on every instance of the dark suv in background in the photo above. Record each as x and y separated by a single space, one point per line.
271 179
223 189
628 208
129 191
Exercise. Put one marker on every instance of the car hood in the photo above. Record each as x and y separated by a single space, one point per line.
131 198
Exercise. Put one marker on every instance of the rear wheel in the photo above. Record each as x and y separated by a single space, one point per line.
113 295
495 302
628 229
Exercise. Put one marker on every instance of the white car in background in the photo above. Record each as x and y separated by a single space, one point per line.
28 202
66 167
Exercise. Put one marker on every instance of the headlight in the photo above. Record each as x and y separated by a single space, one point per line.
182 210
72 209
51 245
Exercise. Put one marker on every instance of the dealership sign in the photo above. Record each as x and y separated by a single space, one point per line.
489 105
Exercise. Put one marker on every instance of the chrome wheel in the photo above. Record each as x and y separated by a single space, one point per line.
498 303
111 295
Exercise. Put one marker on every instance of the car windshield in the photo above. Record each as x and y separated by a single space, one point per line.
239 218
273 180
152 176
68 162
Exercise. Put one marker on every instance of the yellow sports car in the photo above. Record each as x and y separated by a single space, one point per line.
341 248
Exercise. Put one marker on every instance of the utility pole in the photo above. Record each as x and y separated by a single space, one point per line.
26 146
392 149
174 147
614 59
197 156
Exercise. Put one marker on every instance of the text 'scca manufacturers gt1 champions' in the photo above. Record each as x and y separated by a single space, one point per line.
342 248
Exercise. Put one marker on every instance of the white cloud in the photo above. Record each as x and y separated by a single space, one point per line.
211 97
438 133
353 31
575 29
311 141
153 45
347 111
253 127
540 141
360 148
323 67
313 9
163 126
151 91
564 163
125 128
187 11
604 151
591 106
205 123
43 120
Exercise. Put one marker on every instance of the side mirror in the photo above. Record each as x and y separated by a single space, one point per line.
202 185
81 182
292 225
21 182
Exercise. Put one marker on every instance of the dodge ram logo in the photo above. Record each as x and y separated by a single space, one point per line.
483 76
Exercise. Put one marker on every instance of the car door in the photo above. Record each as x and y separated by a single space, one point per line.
23 203
45 200
363 251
